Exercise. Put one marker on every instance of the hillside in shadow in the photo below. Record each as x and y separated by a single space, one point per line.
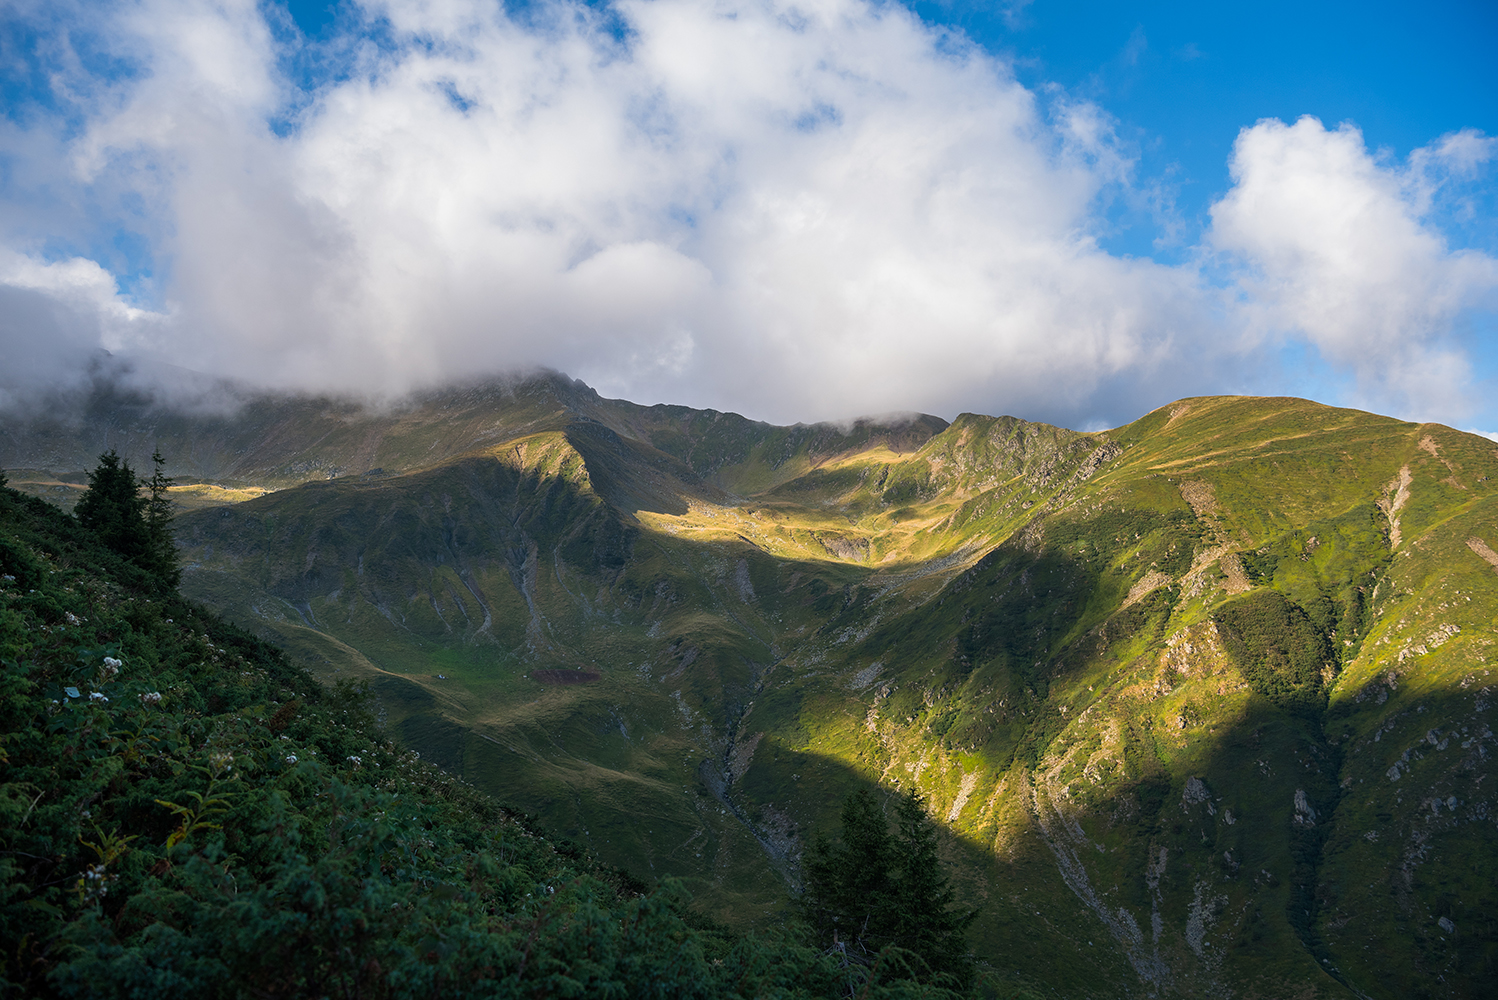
1201 703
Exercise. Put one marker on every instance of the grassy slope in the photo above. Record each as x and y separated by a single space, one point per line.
1048 719
1036 627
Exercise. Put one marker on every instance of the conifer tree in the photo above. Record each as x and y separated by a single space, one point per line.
928 923
850 896
114 510
137 527
161 548
871 890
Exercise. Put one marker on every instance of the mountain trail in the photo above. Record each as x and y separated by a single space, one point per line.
946 643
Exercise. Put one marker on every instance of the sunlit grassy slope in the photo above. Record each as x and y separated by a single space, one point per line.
1203 702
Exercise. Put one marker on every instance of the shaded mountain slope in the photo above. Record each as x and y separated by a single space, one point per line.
1237 686
1203 701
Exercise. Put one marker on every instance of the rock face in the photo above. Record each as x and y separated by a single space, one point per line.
1204 702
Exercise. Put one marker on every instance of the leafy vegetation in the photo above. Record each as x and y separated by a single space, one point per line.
1279 648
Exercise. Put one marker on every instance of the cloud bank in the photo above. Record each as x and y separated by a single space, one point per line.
797 210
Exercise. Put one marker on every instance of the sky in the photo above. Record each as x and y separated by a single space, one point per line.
1063 210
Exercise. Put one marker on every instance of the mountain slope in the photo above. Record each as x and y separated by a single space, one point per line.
1210 685
187 813
1202 701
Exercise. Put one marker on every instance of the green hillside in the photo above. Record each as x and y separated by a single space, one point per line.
1201 703
189 814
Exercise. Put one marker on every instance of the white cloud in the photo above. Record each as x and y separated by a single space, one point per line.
797 210
56 320
1335 249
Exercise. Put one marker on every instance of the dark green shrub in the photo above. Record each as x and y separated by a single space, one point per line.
1279 649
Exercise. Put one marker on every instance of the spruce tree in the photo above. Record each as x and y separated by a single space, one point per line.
928 923
161 558
137 527
114 510
870 890
850 894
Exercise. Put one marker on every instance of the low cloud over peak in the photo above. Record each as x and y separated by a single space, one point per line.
794 211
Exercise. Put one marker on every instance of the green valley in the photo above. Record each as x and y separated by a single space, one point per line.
1201 704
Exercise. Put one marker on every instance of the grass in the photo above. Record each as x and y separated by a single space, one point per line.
1091 647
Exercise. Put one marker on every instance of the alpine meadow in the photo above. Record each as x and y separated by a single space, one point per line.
1197 706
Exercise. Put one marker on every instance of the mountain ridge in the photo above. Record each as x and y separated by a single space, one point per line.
1172 679
257 435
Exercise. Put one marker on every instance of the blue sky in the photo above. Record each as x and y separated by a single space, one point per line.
1183 78
800 210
